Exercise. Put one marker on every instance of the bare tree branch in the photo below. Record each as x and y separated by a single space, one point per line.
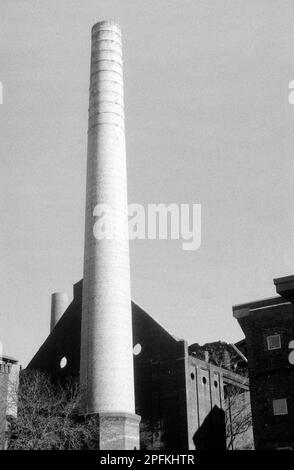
49 416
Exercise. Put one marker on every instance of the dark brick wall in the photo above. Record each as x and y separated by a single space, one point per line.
271 375
160 387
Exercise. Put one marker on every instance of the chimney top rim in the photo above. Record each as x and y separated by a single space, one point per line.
55 294
108 23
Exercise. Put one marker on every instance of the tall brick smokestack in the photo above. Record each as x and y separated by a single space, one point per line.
106 370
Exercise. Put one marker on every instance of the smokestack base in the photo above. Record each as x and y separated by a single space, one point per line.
119 431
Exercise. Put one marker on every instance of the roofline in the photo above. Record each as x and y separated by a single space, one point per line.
282 280
259 303
243 310
175 338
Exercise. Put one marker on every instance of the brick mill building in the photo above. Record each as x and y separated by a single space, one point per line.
177 394
269 329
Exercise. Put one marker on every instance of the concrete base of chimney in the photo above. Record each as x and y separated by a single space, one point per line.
119 431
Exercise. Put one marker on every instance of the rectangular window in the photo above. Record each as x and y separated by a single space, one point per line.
273 342
280 406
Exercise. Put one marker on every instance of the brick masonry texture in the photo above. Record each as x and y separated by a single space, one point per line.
270 373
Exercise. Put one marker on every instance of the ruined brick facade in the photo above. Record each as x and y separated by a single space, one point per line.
8 381
4 373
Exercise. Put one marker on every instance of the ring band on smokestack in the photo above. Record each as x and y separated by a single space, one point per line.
59 303
106 370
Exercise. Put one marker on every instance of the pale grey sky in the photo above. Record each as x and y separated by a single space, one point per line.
208 121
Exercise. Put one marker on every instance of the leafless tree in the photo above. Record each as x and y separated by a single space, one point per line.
49 415
238 419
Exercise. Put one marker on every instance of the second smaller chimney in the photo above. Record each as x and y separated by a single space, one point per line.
59 303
